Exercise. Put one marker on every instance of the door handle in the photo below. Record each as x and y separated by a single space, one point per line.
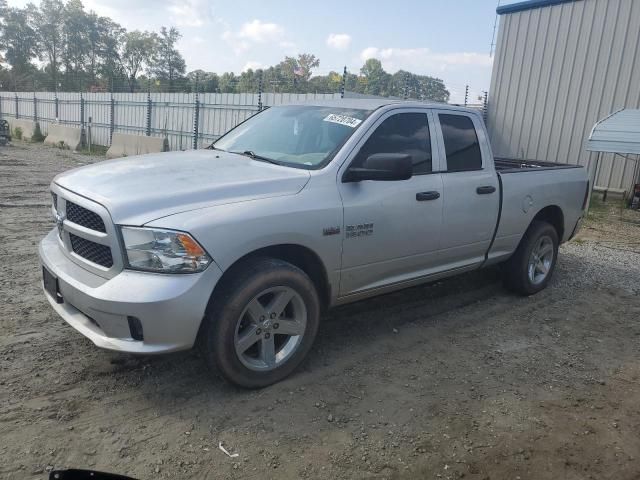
487 189
423 196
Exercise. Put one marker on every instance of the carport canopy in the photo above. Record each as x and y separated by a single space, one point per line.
617 133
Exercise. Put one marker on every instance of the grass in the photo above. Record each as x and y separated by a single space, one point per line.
96 150
598 209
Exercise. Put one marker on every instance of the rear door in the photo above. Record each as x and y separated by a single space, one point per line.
470 189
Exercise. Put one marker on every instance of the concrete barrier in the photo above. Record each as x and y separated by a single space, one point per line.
60 135
26 126
125 145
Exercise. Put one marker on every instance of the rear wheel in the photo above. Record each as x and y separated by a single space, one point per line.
261 324
530 268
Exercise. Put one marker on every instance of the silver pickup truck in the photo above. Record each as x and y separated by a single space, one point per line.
240 247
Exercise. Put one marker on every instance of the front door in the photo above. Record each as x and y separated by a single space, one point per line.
392 228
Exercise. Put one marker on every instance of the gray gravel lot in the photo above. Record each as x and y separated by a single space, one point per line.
450 380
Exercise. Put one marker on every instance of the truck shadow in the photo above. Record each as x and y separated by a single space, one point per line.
372 318
344 332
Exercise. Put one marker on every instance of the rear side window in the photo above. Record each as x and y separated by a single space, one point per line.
401 133
460 143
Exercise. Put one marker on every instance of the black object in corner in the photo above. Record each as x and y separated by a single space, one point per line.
73 474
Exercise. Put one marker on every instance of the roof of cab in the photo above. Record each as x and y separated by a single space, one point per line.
376 103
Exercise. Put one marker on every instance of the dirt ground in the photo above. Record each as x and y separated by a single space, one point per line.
451 380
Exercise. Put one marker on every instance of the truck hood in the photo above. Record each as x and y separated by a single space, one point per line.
137 190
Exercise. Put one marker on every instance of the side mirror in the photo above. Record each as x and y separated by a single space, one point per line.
384 167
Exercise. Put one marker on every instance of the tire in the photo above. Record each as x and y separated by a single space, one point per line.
243 329
528 271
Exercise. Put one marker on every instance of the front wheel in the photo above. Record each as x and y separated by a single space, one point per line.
530 268
262 323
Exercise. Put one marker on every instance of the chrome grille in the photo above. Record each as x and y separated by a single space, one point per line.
86 218
92 251
87 234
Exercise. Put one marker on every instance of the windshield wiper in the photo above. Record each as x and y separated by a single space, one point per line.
213 147
255 156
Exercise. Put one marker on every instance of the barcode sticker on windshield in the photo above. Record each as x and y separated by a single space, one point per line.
343 120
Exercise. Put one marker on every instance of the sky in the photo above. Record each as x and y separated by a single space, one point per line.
448 39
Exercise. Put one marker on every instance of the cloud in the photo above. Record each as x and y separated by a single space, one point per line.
260 32
339 41
424 60
252 65
188 13
287 44
253 33
151 14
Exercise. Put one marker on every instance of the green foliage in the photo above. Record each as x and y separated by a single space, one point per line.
17 133
376 80
373 80
58 45
50 22
96 150
167 63
37 134
206 81
135 54
18 39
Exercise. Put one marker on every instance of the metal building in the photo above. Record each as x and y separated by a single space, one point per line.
559 67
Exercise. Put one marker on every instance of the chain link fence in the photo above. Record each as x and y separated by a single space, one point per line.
186 120
185 112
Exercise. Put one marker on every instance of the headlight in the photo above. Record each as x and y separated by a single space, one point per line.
164 251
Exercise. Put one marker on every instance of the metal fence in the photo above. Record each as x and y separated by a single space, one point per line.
187 120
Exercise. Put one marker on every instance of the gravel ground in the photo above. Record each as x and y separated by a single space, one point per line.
450 380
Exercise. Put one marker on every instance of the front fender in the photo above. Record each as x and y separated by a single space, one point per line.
230 232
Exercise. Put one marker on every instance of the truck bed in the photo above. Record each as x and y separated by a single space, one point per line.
514 165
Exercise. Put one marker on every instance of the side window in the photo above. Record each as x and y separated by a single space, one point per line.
460 143
401 133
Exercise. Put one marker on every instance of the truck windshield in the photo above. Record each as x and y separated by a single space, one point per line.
300 136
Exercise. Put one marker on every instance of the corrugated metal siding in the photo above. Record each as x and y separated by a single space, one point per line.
618 133
557 71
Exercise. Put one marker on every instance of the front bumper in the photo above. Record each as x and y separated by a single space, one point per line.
170 307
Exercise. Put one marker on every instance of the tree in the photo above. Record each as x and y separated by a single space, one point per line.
93 51
207 81
136 50
434 89
376 79
95 37
18 39
167 63
3 10
227 82
109 37
295 72
306 62
76 44
50 19
248 81
420 87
